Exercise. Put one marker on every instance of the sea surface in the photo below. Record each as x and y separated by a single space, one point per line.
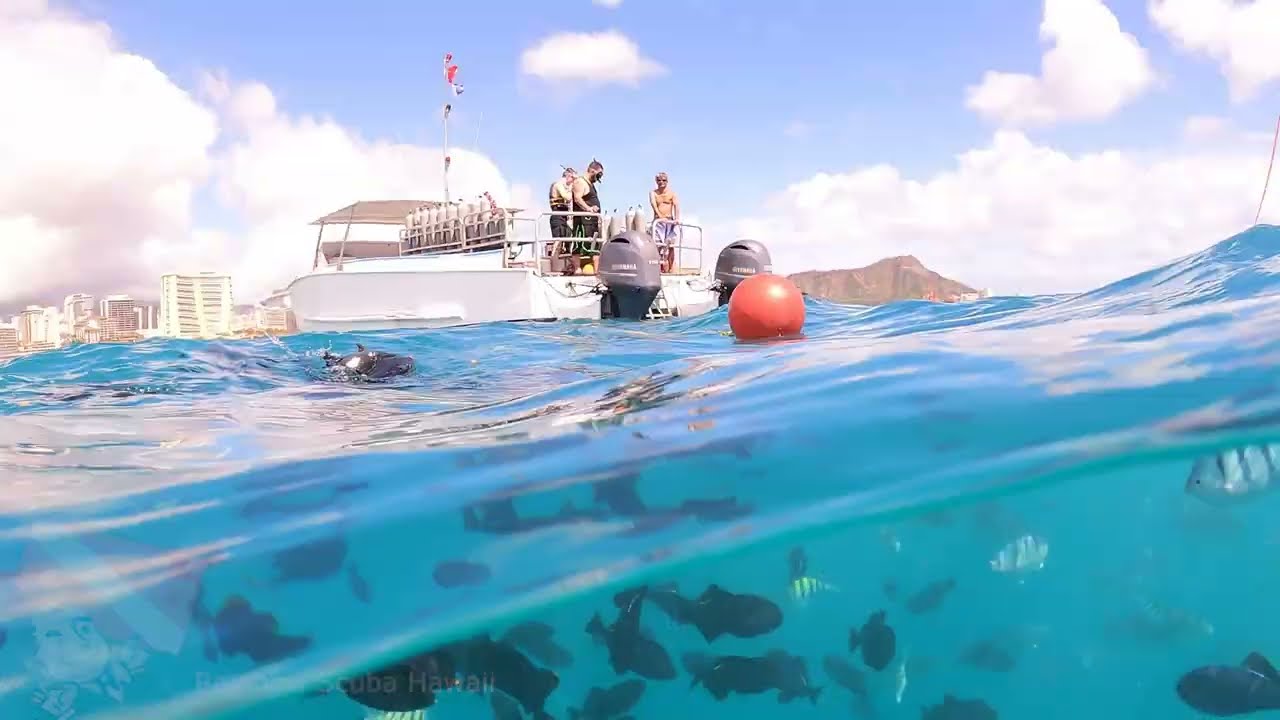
222 529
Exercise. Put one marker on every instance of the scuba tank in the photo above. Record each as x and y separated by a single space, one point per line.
631 218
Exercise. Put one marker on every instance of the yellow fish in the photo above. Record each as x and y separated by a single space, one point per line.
803 588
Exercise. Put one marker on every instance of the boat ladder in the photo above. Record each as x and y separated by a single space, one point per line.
660 309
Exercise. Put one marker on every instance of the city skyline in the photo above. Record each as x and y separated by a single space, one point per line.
198 305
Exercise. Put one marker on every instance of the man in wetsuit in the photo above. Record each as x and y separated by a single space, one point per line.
586 200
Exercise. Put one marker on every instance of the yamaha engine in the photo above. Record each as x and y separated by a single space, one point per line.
631 271
739 261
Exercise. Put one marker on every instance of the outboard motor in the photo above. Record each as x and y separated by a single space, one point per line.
631 271
739 261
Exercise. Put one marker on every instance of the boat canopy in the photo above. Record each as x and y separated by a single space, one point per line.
375 212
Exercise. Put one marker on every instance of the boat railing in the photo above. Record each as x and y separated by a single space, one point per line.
552 254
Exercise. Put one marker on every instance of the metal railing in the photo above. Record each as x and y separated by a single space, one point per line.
554 254
488 230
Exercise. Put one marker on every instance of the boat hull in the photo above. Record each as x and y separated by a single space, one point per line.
402 294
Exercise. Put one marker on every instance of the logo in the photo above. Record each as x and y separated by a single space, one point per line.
137 603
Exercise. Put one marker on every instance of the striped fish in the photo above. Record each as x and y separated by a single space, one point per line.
804 588
414 715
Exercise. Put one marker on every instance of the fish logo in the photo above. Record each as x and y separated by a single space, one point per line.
140 601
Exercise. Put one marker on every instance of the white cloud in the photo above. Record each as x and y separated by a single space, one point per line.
1019 217
594 59
281 172
1204 127
1092 69
100 161
610 4
1242 37
100 154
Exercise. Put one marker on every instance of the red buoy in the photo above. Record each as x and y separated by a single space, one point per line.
766 306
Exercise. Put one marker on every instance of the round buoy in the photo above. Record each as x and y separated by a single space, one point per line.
766 306
588 269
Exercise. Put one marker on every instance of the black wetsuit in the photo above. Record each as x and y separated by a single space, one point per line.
588 225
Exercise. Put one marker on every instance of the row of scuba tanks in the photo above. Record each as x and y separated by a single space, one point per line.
615 223
455 222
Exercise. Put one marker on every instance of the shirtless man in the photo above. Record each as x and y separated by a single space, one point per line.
560 197
666 218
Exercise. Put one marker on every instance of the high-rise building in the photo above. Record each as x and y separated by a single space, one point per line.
196 306
8 341
76 308
38 327
146 316
119 321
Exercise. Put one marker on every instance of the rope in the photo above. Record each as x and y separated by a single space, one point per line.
1270 165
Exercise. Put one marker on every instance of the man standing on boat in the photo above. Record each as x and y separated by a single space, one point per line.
561 199
666 219
586 200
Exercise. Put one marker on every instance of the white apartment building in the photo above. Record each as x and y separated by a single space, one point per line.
38 327
196 306
8 341
76 308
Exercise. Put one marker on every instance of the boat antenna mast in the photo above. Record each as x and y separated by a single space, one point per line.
455 89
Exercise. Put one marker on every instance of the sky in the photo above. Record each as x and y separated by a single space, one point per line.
1020 146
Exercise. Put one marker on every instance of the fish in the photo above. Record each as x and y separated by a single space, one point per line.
359 586
605 704
407 686
537 639
1026 554
1159 624
844 674
987 655
726 674
4 637
930 597
953 708
1225 690
312 560
458 573
800 586
499 517
240 630
878 641
717 612
630 648
509 671
1235 476
806 588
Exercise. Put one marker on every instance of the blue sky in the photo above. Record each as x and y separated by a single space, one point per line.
873 82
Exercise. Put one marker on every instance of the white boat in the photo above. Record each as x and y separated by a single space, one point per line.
461 264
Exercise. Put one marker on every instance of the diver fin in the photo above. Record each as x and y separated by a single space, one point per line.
359 347
1259 664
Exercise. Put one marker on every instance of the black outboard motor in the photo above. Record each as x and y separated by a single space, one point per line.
631 271
739 261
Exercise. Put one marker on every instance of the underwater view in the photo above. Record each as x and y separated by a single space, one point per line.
1030 507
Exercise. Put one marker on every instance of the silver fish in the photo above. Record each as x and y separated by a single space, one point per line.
1235 475
1025 554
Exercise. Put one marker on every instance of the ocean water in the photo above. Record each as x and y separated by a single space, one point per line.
158 501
